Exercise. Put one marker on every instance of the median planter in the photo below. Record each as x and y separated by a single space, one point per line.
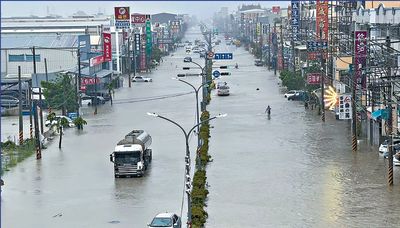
12 154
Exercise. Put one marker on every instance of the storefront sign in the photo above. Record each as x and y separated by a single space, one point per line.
139 19
84 46
276 9
148 37
360 58
295 17
96 60
122 17
313 78
107 50
137 43
345 109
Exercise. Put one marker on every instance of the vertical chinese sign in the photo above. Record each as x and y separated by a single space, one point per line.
295 18
122 17
107 51
322 25
148 37
360 58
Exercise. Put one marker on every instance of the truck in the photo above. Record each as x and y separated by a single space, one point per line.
132 155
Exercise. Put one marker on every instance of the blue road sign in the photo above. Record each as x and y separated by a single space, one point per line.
216 73
219 56
73 115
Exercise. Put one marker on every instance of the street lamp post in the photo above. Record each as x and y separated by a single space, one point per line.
203 80
196 90
187 157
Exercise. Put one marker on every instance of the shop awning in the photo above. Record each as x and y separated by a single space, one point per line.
381 113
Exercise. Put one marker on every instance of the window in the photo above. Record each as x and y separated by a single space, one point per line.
16 58
29 58
23 58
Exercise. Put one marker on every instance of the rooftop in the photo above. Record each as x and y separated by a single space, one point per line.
39 40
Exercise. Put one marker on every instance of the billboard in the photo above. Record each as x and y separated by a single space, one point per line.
139 19
107 51
295 19
122 17
360 58
322 19
313 78
84 46
148 37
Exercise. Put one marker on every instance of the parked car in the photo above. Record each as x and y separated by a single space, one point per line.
219 84
187 59
57 118
223 90
383 147
290 93
258 62
8 101
298 96
170 220
141 79
396 159
103 94
396 148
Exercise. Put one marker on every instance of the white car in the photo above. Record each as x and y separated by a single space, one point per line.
290 93
169 220
223 90
141 79
383 147
57 118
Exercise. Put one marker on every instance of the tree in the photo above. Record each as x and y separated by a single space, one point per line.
110 88
61 123
79 122
60 93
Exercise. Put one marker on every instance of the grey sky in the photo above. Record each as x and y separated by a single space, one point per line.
67 8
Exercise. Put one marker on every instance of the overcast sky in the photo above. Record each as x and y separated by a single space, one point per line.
67 8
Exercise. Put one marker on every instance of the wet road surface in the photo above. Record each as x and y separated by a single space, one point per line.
289 171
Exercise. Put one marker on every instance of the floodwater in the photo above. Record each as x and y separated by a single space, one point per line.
287 171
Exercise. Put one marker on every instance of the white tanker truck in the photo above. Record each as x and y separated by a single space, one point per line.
132 156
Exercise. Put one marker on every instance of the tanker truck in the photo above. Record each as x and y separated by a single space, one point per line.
132 155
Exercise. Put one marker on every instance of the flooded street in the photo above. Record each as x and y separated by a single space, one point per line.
288 171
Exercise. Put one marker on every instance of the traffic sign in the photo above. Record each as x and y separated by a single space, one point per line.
210 54
216 73
220 56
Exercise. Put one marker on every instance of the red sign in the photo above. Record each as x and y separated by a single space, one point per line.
317 55
276 9
138 18
322 19
89 81
96 60
107 51
314 78
121 13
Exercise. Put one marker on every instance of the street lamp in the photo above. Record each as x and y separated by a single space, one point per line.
203 80
187 157
196 90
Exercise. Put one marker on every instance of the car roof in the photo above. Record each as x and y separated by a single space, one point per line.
164 215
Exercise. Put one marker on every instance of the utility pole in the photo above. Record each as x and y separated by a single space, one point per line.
129 61
30 109
269 46
95 92
21 124
45 69
322 78
389 106
282 58
275 47
37 140
41 112
77 84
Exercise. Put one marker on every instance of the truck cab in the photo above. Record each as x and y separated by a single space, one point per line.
131 156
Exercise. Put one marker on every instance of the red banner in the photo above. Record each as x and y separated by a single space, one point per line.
89 81
107 50
121 13
322 19
314 78
96 60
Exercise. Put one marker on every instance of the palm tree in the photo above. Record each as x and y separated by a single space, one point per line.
110 88
79 122
61 123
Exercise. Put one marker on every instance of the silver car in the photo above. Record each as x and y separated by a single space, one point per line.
169 220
